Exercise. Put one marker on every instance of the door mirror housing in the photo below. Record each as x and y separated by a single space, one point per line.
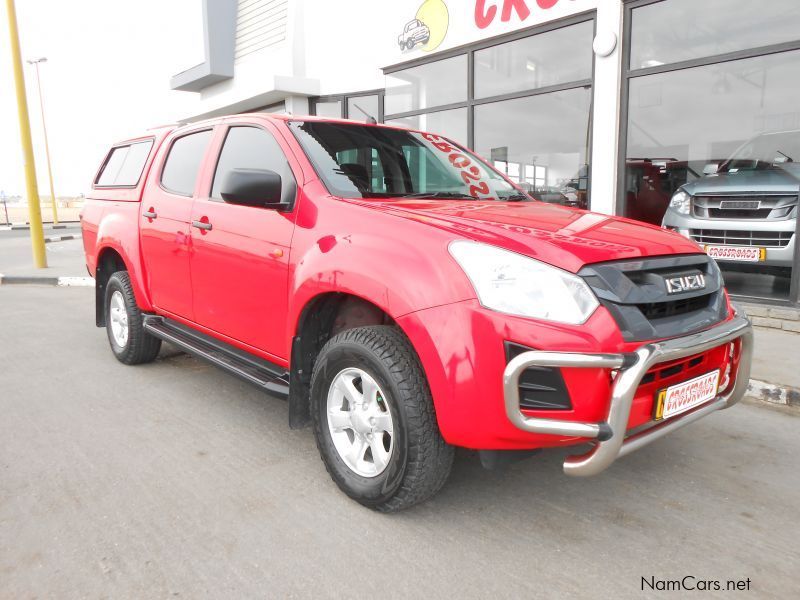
252 187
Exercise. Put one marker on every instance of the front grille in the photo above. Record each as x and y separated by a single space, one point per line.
668 370
660 310
635 293
728 237
718 213
753 207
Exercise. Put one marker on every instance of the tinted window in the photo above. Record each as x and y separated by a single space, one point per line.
183 162
252 148
124 165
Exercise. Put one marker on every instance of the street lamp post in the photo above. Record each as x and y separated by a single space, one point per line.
35 62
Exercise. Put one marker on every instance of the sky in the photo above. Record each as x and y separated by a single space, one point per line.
106 78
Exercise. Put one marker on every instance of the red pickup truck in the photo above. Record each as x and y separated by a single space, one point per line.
406 298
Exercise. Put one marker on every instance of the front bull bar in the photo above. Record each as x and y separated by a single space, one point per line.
610 438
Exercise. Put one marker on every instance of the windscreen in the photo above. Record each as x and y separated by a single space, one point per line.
766 151
359 161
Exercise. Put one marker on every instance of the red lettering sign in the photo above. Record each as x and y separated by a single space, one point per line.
518 5
484 18
485 15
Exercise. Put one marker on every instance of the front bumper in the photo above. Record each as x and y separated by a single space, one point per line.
776 256
611 439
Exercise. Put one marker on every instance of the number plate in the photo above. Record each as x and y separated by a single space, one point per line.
684 396
737 253
740 204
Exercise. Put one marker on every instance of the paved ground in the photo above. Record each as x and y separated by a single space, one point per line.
757 285
64 259
175 479
775 348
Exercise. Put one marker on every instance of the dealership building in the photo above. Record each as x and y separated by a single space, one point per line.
609 105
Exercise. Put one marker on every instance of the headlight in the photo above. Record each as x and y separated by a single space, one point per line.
511 283
680 202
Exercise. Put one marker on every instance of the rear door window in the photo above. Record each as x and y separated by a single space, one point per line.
124 165
183 163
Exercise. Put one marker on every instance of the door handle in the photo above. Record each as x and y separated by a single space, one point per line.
202 225
150 214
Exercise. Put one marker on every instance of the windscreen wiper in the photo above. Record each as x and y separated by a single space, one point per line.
447 195
516 197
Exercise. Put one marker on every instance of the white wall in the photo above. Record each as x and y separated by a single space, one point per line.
260 24
606 103
349 42
269 55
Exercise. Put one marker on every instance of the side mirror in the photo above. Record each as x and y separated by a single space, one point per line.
252 187
710 168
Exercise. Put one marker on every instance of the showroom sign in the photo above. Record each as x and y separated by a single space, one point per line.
485 12
439 24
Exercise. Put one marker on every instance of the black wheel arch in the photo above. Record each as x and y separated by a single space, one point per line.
109 261
323 317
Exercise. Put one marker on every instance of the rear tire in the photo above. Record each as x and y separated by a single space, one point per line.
130 343
415 460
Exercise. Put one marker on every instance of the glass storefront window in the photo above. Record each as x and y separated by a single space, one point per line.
432 84
677 30
331 109
360 107
449 123
712 153
537 61
548 155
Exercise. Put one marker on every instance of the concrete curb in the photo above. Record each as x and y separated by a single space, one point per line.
773 393
37 280
76 281
60 238
24 226
786 318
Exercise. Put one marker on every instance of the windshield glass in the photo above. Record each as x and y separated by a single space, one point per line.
767 151
358 161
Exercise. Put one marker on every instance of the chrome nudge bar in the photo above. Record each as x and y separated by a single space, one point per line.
610 441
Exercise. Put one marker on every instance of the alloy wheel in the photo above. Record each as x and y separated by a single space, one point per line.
119 319
360 422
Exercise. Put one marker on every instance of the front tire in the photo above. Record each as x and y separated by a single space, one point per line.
129 341
374 420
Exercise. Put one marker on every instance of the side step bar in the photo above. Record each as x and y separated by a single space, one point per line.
264 374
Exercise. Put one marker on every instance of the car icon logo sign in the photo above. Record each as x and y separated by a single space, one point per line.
685 283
